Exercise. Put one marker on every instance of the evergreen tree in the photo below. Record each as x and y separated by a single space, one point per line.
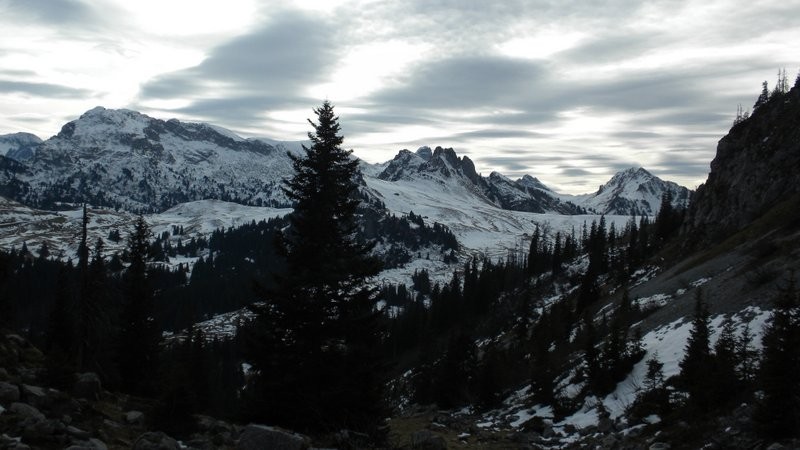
137 352
724 365
763 97
314 346
696 363
778 413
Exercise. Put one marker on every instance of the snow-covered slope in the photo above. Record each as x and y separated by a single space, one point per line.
19 146
633 191
60 230
444 167
125 159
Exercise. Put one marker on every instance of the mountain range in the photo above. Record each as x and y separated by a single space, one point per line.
126 160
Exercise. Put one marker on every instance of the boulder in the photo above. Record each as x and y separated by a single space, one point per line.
134 417
155 440
604 425
9 393
256 437
91 444
88 386
26 411
426 440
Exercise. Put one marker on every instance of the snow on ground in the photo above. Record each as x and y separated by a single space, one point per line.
479 226
668 343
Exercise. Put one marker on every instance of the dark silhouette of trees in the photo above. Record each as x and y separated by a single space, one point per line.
778 413
315 344
138 347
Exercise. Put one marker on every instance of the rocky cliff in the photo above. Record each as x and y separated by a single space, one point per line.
757 166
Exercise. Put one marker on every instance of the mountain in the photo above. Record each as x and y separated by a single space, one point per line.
633 191
445 167
755 171
127 160
19 146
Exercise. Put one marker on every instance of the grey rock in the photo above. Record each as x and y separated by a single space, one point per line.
134 417
91 444
605 424
26 411
88 386
776 446
9 393
659 446
155 440
77 432
256 437
4 374
426 440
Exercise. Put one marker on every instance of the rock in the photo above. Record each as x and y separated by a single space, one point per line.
134 417
88 386
91 444
776 446
255 437
32 394
155 440
9 393
426 440
605 424
26 411
77 432
659 446
4 374
610 441
42 430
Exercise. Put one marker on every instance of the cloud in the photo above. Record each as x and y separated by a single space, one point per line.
268 68
57 12
43 90
465 82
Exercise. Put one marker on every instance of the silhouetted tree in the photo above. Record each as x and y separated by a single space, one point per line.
139 339
778 413
315 343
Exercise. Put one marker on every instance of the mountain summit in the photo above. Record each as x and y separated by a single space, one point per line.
128 160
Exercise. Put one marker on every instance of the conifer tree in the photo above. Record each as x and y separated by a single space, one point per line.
696 363
137 352
314 346
763 97
778 413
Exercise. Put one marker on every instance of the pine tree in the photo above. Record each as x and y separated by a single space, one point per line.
315 344
763 97
137 352
696 363
778 413
725 361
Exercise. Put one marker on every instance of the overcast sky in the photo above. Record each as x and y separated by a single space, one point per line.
568 91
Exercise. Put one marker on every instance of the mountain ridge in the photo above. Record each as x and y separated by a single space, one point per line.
125 159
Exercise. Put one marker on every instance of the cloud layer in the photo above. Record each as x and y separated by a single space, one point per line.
569 92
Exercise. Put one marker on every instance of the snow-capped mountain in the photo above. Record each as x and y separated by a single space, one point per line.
19 146
633 191
443 166
125 159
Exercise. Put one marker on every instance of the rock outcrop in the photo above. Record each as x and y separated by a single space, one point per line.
757 166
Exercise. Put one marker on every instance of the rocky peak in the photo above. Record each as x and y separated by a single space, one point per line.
755 169
530 182
425 153
19 146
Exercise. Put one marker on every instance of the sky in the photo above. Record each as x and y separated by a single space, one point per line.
567 91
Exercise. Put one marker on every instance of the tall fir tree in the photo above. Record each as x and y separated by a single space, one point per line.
778 412
139 339
315 345
697 362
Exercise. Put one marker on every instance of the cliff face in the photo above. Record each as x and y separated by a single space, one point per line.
756 167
